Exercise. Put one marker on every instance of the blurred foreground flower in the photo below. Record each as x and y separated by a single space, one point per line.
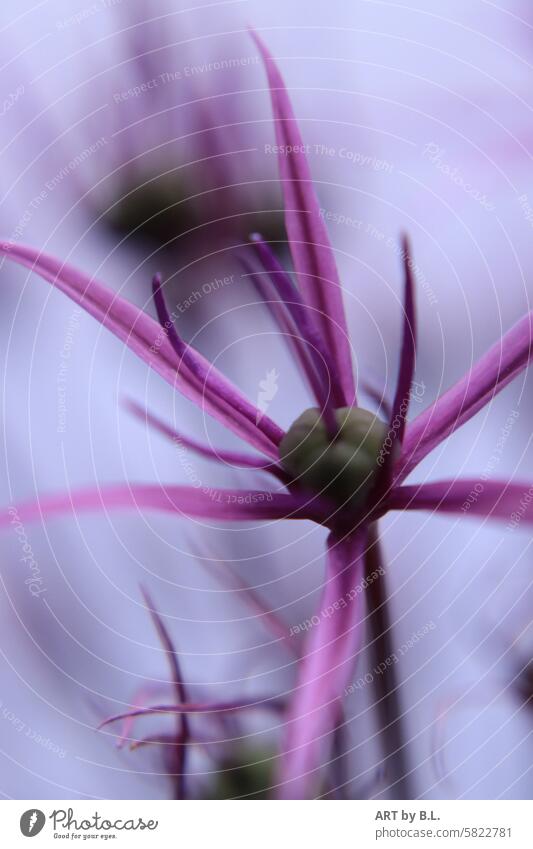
337 465
244 772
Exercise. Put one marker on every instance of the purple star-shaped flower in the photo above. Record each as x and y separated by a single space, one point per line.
337 465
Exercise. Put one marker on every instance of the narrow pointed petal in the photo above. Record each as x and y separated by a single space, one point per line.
226 505
400 405
506 501
326 666
311 250
129 323
284 320
143 336
231 458
492 372
211 381
331 394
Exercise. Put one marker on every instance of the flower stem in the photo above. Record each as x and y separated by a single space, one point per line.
388 702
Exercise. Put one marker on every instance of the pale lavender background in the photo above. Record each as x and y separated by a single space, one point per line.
383 79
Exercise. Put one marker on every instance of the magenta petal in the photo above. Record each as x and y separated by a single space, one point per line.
141 334
132 326
503 500
492 372
210 381
232 458
311 250
284 320
400 405
325 669
230 505
330 394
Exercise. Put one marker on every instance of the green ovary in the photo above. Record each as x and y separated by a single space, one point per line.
343 468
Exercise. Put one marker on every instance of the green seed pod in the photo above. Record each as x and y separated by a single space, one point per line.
343 468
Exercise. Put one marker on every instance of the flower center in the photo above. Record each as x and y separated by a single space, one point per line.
164 209
343 468
152 211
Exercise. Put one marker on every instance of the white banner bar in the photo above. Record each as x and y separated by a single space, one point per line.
264 825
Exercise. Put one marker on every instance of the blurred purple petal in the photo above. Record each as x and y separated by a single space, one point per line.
232 458
211 381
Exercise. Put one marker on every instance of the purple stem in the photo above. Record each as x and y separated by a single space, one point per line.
388 701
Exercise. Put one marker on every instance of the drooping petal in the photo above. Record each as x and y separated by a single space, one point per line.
504 500
492 372
310 247
232 458
142 335
325 668
230 505
211 381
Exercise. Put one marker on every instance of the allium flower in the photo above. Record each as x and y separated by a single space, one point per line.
160 144
337 465
186 172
